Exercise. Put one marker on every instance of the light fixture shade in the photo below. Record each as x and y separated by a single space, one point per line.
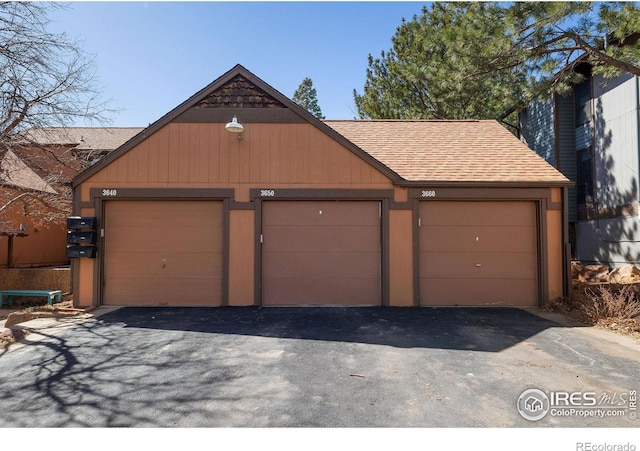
234 126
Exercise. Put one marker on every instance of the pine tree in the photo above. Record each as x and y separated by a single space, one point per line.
462 60
307 97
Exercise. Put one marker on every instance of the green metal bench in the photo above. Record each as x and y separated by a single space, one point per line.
50 295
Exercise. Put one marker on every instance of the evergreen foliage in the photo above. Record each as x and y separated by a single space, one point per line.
480 60
307 97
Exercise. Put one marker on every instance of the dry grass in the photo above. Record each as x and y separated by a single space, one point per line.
611 306
605 303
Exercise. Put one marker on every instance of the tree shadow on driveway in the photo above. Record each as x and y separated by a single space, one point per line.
479 329
301 367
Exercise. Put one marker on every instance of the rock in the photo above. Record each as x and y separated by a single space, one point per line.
597 273
589 273
624 274
15 334
576 270
23 316
17 317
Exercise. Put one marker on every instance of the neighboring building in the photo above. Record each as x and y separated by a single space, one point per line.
35 174
276 207
593 137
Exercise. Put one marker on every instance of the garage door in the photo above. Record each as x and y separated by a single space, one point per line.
163 253
321 253
478 253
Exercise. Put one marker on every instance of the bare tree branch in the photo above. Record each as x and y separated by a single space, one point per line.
46 80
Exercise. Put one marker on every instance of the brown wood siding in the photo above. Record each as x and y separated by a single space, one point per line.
321 253
241 257
163 253
478 253
268 155
86 280
401 258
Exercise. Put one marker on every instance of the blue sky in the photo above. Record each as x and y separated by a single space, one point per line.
151 56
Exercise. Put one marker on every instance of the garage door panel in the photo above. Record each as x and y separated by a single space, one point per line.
465 265
300 213
337 264
478 239
322 291
317 238
478 213
166 265
486 292
321 253
163 253
146 213
173 240
478 253
163 291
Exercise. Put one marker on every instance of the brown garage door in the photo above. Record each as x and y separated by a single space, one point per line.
478 253
321 253
163 253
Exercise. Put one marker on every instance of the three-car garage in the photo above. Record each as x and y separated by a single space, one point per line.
295 211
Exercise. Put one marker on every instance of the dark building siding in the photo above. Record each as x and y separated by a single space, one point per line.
566 148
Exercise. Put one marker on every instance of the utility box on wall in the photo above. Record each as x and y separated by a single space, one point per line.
82 236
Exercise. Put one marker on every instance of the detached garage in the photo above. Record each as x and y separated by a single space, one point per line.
240 197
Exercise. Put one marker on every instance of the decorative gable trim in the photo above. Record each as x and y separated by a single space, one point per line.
239 92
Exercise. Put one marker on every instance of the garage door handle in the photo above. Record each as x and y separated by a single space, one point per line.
478 265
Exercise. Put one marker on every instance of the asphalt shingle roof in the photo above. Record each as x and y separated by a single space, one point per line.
449 150
83 138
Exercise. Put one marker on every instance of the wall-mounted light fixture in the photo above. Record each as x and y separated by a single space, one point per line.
235 127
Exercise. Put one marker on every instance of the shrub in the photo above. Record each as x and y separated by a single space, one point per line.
609 303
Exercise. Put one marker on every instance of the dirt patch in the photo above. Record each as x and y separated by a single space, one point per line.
12 334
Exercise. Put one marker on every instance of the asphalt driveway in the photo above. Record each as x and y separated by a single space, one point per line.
316 367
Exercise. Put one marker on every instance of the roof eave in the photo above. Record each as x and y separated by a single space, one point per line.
483 184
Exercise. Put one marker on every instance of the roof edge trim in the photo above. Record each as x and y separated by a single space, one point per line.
481 184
